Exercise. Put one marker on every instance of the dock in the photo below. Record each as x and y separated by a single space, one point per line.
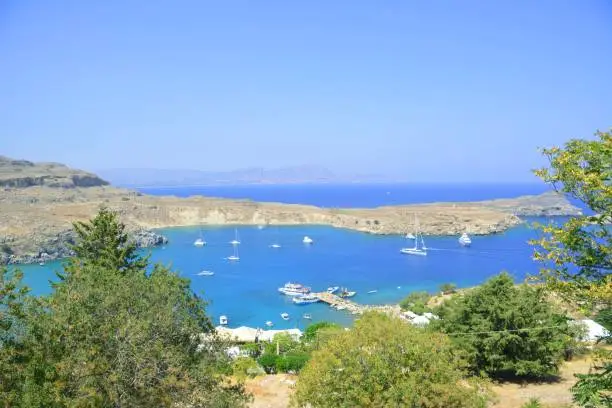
340 303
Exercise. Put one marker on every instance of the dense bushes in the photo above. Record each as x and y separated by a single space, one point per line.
416 302
507 330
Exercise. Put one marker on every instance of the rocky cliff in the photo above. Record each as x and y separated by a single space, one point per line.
23 173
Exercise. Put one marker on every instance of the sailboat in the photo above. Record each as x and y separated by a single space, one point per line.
235 256
275 244
235 241
200 241
416 250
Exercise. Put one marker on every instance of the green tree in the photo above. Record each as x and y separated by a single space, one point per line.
416 302
507 330
311 332
447 288
103 241
383 361
113 335
577 255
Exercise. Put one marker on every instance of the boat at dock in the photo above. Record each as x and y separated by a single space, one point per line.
333 289
465 240
305 299
294 289
345 293
285 316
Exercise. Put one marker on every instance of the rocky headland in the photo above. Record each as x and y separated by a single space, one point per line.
39 203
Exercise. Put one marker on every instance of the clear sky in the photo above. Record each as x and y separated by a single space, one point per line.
431 90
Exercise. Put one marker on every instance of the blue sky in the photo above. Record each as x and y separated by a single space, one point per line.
426 90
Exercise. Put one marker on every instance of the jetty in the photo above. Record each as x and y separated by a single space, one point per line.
340 303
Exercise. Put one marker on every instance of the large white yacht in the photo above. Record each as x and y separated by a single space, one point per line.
294 289
465 240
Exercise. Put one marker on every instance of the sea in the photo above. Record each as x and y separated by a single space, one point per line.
246 291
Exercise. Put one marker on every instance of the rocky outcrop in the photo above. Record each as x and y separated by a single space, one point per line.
23 173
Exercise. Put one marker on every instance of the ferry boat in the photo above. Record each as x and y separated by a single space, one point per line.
305 299
294 289
465 240
285 316
223 320
333 289
307 240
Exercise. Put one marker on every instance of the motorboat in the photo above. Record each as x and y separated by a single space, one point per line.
205 273
307 316
305 299
223 320
269 323
285 316
410 236
294 289
465 240
275 246
345 293
333 289
372 291
199 242
307 240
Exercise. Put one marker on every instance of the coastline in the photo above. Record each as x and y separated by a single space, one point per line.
36 221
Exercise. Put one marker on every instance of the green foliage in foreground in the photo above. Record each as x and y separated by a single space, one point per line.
111 335
313 330
447 288
507 330
416 302
577 255
384 362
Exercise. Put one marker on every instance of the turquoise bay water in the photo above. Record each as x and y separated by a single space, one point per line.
246 291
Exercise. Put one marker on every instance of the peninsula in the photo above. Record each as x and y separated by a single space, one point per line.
40 201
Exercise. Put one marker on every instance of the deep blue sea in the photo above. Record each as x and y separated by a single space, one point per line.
246 291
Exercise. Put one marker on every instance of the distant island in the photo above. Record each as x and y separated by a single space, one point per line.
40 201
304 174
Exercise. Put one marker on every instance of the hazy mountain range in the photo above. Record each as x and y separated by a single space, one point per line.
177 177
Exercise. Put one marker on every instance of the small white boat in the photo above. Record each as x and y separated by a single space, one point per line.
340 307
372 291
410 236
260 227
307 316
205 273
333 289
275 246
465 240
235 256
223 320
307 240
285 316
199 242
235 241
269 323
42 263
305 299
294 289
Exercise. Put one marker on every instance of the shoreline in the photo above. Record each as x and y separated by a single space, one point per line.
36 222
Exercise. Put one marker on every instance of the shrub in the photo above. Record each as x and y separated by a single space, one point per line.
416 302
268 362
447 288
291 362
244 367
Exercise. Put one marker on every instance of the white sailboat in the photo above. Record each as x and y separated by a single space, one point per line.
200 241
422 251
275 244
235 241
235 256
465 240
